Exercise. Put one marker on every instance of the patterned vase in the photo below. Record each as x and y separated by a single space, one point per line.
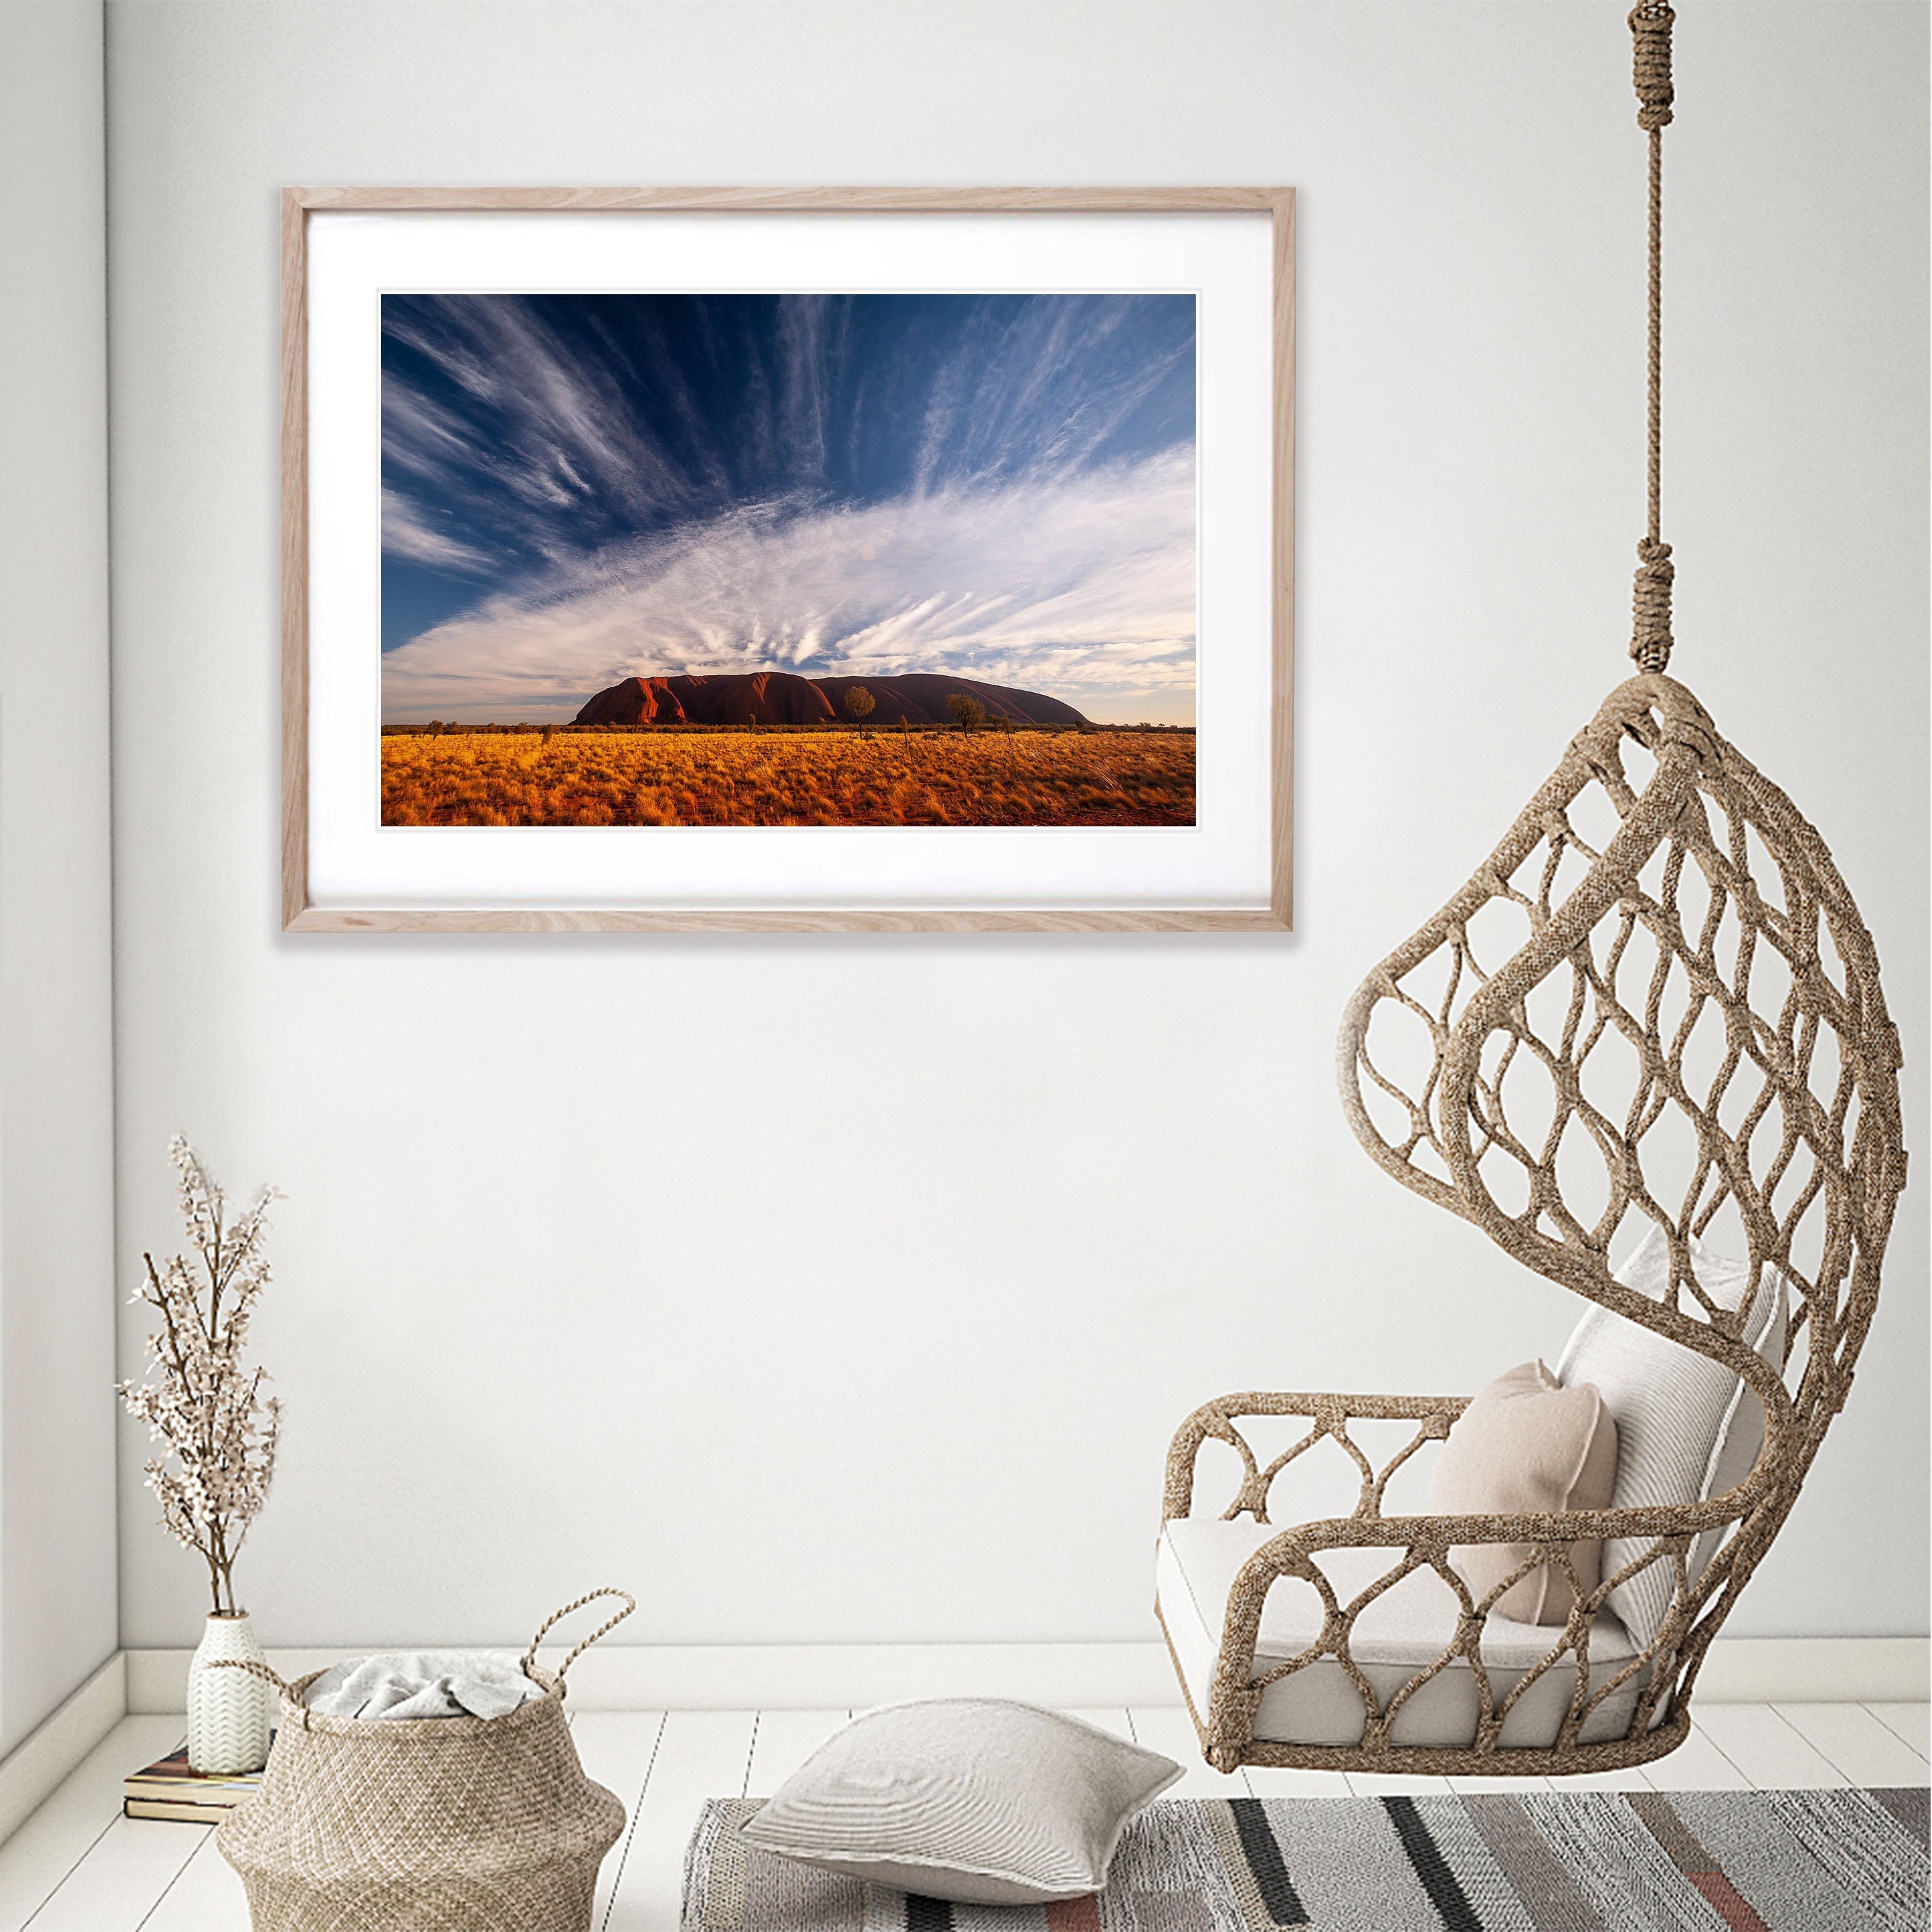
230 1712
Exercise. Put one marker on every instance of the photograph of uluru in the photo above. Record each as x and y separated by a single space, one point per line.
788 559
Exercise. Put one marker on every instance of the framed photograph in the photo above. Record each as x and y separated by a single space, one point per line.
792 559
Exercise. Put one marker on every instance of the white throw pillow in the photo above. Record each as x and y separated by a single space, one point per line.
970 1799
1688 1428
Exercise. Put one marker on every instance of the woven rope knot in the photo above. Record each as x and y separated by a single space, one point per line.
1650 25
1650 640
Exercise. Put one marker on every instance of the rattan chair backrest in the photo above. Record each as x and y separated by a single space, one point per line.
1655 1003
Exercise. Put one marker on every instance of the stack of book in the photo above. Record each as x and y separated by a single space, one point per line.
170 1789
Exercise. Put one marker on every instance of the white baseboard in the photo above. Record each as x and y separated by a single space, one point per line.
32 1772
1816 1670
769 1677
158 1679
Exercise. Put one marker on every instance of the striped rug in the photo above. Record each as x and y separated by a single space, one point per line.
1565 1861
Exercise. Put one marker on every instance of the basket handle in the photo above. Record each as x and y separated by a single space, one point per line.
254 1669
630 1603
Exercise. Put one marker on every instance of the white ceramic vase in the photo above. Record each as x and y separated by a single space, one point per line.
230 1712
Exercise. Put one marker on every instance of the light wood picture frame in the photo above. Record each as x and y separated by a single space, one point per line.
1227 867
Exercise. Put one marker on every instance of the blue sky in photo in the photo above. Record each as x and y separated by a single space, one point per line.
581 488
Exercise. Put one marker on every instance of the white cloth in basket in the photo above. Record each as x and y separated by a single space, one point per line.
422 1683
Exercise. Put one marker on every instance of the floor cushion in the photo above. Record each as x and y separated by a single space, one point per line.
976 1800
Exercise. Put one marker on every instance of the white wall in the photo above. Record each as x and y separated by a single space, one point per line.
848 1288
57 1503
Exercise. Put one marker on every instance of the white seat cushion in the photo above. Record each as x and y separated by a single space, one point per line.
1402 1631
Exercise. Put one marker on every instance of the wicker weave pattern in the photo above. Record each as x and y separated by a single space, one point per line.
1656 1002
438 1825
441 1825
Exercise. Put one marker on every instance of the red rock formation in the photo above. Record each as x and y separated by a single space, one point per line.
783 697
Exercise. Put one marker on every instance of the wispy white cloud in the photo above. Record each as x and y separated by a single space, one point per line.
541 437
1036 395
546 435
1081 584
404 536
809 338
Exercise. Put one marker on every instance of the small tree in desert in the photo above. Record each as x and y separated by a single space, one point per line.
859 703
218 1430
965 711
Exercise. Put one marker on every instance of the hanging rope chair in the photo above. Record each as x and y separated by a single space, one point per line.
1655 1009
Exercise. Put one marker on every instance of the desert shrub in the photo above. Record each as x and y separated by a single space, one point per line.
836 776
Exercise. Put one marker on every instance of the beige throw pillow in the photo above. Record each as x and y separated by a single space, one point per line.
1527 1445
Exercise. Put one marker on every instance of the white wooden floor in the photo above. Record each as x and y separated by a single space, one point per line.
78 1866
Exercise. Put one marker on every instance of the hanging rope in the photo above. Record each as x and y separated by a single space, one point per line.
1651 640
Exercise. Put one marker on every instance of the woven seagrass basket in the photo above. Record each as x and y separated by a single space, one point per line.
435 1825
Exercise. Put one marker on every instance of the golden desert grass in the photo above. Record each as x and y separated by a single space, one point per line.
751 777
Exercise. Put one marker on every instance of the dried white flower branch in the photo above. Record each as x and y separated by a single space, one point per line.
220 1430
